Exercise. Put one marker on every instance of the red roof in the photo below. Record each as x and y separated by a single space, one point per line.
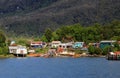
56 42
13 45
117 53
37 42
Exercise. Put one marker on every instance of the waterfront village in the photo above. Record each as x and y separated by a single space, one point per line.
59 49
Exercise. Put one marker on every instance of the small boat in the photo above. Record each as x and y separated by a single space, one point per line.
113 55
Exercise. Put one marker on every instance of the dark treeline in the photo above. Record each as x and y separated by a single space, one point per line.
77 32
3 44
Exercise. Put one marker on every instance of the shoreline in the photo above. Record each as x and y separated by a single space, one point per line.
47 56
12 56
7 56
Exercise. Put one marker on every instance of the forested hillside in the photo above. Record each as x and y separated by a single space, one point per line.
32 17
94 33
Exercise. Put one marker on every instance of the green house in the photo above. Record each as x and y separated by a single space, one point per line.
105 43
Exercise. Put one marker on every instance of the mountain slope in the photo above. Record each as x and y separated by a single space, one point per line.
33 19
17 6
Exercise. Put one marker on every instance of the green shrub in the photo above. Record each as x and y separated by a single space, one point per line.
98 51
107 49
78 51
91 50
37 50
0 51
41 50
94 50
4 51
116 47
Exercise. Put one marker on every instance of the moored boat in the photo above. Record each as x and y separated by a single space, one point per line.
113 55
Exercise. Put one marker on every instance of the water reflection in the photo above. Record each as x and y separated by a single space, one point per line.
59 68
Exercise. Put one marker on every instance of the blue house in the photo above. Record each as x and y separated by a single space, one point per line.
78 45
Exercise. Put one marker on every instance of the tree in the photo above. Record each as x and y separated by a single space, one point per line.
55 36
2 39
5 50
43 38
22 42
116 47
3 47
48 34
0 50
107 49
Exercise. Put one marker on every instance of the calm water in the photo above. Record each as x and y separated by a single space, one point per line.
59 68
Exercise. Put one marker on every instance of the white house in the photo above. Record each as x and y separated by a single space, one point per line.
36 44
55 44
65 45
14 49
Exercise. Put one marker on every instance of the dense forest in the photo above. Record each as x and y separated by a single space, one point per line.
78 32
32 17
